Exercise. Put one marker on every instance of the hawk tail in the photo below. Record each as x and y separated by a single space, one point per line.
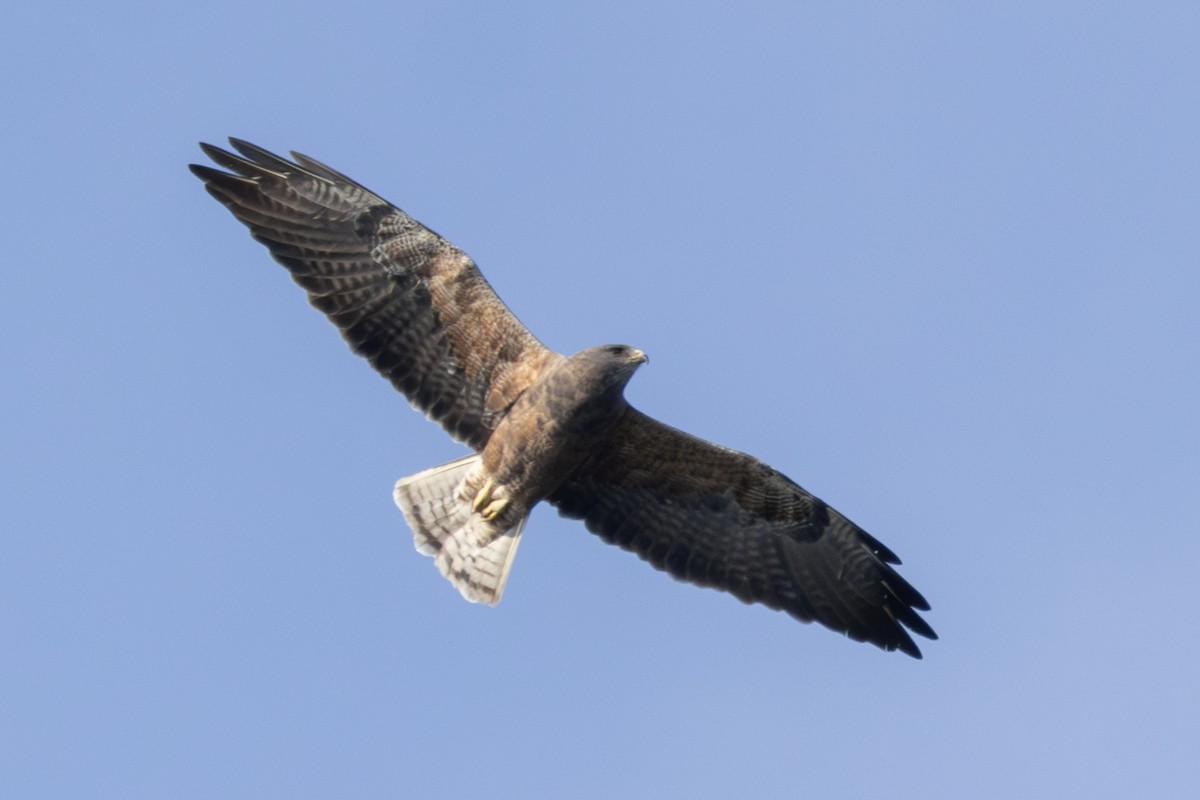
472 553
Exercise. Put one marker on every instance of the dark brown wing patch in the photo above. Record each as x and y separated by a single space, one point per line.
404 298
716 517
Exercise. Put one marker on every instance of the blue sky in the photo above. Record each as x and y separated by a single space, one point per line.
939 263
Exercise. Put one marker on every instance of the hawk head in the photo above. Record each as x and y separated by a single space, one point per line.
608 366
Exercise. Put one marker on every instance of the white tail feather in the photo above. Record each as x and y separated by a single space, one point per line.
472 553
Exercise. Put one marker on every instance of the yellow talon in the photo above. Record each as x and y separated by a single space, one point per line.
487 504
484 495
494 509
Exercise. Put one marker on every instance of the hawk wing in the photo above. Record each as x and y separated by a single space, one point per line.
404 298
716 517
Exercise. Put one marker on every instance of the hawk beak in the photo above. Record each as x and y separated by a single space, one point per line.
638 357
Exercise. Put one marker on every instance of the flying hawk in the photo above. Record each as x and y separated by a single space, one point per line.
546 426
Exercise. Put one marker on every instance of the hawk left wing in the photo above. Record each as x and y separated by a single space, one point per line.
404 298
715 517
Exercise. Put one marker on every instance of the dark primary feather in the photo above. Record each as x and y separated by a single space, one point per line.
404 298
716 517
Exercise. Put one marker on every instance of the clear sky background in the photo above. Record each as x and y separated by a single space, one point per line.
938 262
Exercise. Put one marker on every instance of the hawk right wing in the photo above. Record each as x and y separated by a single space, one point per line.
715 517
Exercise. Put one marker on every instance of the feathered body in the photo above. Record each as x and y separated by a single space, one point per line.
469 514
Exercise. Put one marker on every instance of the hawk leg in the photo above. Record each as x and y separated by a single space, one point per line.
487 504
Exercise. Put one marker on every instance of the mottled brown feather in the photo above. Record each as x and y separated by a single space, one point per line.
719 518
403 297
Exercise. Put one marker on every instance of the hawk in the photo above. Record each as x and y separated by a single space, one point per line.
548 427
